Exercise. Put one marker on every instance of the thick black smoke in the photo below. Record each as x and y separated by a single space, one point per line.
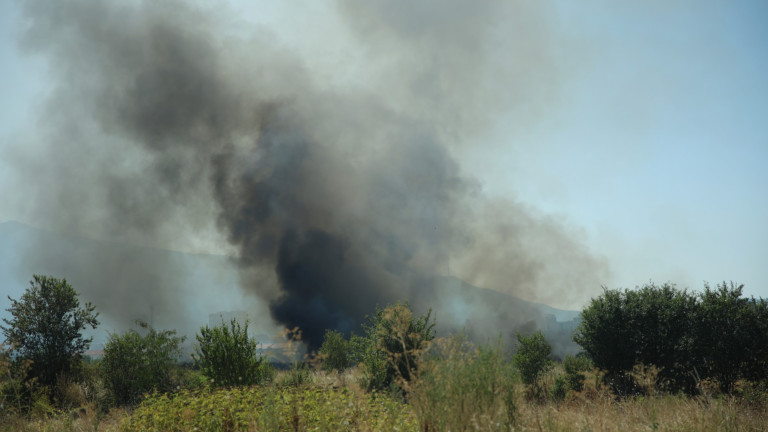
167 117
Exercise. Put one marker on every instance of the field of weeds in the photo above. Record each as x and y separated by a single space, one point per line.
327 401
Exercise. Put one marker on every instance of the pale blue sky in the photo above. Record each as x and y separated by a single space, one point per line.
658 149
652 147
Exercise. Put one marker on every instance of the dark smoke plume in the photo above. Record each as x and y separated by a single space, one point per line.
167 117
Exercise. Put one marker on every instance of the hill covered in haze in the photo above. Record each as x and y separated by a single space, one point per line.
122 281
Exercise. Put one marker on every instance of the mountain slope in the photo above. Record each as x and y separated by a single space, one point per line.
179 290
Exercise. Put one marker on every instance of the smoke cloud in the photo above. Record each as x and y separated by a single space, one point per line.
168 118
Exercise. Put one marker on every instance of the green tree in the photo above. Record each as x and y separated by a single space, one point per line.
725 338
755 367
335 351
532 357
607 336
373 363
718 334
135 364
649 326
574 367
46 328
393 339
663 318
229 357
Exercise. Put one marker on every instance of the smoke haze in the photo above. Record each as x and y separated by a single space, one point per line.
168 118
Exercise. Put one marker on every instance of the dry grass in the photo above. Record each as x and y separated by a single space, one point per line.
597 409
336 380
662 413
84 419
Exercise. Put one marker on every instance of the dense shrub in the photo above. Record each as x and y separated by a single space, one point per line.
15 390
559 389
334 351
229 357
372 362
650 326
606 336
135 363
532 357
755 363
574 367
718 335
731 336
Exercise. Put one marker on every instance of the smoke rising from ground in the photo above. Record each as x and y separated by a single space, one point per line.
167 117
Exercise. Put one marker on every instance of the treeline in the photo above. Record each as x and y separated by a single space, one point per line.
685 340
715 336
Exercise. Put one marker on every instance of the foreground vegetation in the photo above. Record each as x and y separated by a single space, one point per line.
333 402
397 375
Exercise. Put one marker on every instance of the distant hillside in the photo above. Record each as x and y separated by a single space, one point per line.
486 314
125 282
180 290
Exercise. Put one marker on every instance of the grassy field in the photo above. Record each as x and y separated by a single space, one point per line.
331 402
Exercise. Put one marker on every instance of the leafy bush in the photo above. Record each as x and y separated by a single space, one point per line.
732 336
574 367
135 364
716 335
559 389
191 378
335 351
373 363
46 328
229 357
15 390
755 362
532 357
650 326
606 336
392 342
460 387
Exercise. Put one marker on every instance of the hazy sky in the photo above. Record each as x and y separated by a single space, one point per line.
646 136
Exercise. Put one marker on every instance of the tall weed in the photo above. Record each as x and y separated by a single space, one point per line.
462 387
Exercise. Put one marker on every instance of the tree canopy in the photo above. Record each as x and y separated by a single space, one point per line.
227 355
46 327
532 357
136 363
717 334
